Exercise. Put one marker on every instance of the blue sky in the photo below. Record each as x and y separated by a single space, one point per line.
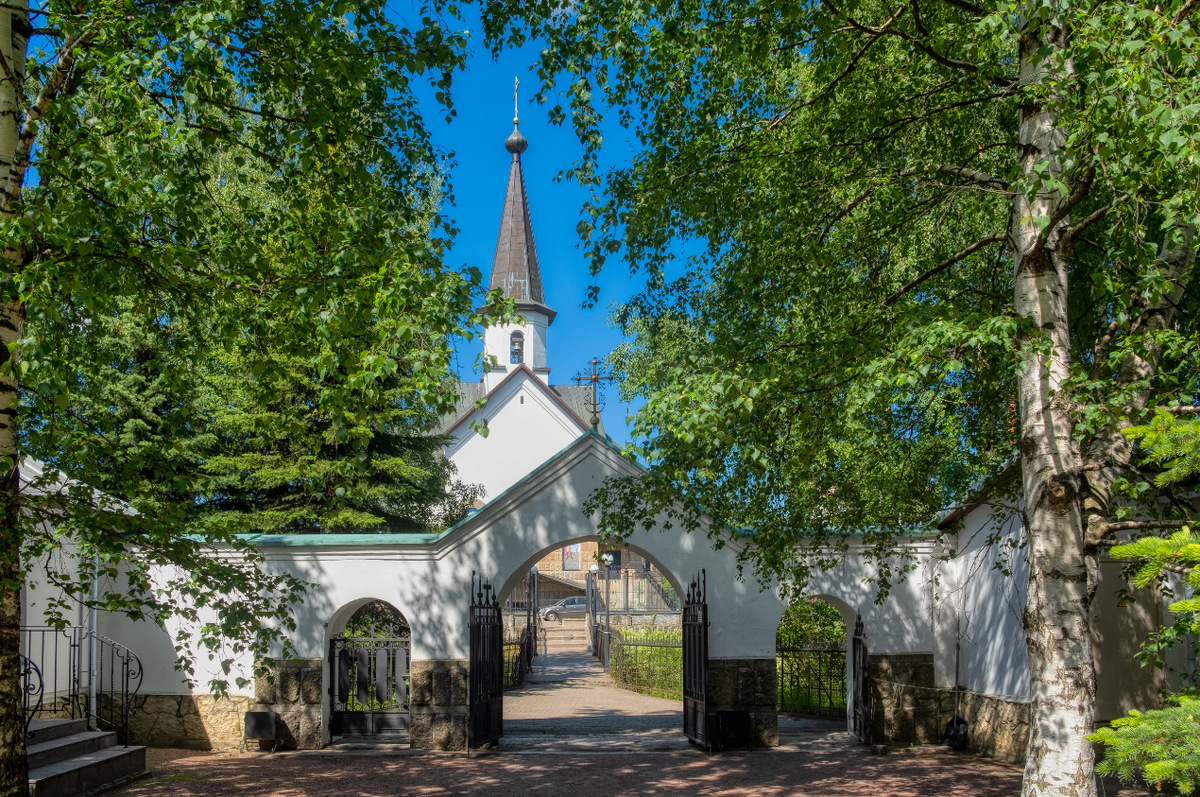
482 97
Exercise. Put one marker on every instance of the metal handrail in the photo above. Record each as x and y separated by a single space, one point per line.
28 672
58 656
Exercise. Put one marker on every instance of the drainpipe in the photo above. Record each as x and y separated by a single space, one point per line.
92 639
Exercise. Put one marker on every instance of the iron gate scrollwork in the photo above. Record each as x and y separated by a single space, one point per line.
370 687
485 702
861 689
695 662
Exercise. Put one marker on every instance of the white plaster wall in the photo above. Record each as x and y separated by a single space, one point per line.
155 648
496 342
526 427
153 645
50 649
901 622
992 658
430 583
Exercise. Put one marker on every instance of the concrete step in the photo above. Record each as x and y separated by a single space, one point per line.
77 744
43 730
88 773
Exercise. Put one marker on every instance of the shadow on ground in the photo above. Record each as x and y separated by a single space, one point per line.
820 770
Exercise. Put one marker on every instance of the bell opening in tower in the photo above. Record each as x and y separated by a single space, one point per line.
516 349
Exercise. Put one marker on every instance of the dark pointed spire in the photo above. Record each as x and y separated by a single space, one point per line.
515 266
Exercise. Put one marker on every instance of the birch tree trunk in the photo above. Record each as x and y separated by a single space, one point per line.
1057 628
14 35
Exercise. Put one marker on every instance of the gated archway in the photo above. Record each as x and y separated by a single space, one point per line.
369 666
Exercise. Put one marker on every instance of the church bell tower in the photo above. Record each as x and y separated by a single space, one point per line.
515 272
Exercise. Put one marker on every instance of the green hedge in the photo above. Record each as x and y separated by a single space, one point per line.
649 662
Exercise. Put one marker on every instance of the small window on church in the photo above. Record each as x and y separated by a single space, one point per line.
516 350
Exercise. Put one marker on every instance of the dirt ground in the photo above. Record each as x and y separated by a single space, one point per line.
820 770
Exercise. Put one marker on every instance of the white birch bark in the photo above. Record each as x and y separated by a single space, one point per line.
1057 626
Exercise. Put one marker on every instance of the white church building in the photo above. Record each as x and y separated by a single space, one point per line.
948 639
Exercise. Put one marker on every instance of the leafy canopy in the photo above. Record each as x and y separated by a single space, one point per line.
820 204
249 187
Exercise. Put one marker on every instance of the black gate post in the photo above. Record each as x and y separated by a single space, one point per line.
485 702
861 688
695 662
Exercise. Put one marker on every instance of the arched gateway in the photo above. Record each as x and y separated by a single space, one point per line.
427 578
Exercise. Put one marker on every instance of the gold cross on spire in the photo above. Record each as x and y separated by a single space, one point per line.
516 85
595 378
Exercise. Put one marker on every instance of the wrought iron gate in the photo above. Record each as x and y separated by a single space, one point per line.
695 662
369 693
485 702
861 688
529 639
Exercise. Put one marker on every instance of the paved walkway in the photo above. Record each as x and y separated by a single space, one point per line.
568 704
570 732
816 772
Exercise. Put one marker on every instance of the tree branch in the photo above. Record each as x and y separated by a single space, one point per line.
1183 12
1069 236
825 91
11 188
1175 410
1065 208
970 8
945 264
1094 537
965 172
1137 525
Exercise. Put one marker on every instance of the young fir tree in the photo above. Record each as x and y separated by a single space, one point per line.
243 453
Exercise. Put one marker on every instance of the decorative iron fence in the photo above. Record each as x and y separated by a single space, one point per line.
812 681
32 688
518 657
648 661
73 664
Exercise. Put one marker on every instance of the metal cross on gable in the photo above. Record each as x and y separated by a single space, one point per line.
595 377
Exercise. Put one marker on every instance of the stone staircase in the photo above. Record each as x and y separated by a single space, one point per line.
68 760
568 634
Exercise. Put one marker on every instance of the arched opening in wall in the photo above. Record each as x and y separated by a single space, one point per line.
812 647
369 670
609 657
516 348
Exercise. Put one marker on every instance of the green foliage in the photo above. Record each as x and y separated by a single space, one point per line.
375 620
1172 445
1160 746
246 455
827 344
810 622
237 316
648 661
1154 558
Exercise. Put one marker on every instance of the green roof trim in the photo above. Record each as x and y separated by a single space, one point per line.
338 540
